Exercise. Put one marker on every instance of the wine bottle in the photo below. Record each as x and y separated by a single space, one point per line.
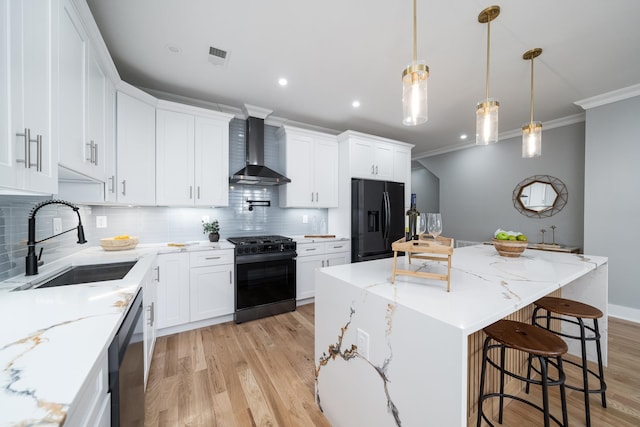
412 217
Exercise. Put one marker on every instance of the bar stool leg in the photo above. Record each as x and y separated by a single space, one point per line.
600 368
585 371
502 354
482 375
563 394
545 389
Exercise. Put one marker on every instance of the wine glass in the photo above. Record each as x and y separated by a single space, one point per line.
434 224
422 224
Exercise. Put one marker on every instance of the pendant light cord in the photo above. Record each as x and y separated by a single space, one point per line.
415 32
488 56
531 106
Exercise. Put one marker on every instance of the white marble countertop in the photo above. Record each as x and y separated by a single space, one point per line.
51 338
485 287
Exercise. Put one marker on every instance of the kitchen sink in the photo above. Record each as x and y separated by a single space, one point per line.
85 274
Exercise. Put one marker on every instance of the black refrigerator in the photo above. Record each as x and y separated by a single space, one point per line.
377 218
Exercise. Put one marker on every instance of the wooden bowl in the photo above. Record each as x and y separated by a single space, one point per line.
111 244
510 248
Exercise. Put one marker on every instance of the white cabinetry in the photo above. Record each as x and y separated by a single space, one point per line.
194 286
82 102
211 284
136 143
312 256
371 159
192 156
92 405
28 148
173 289
150 298
311 162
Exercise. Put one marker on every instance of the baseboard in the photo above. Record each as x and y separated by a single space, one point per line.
625 313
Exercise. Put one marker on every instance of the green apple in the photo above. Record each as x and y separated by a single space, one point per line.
502 236
522 237
512 237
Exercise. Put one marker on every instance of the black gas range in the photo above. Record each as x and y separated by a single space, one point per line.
265 271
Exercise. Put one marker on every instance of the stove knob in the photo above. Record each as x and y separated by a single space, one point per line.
254 249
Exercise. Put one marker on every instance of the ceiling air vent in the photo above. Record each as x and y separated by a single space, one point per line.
218 56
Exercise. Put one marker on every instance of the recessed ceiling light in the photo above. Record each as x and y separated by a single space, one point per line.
355 104
282 81
463 136
173 48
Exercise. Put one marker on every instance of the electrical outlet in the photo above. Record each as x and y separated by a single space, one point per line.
363 343
205 218
305 219
57 225
101 221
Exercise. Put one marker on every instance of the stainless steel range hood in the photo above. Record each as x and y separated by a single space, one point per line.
255 172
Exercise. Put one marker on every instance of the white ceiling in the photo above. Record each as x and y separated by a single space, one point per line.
335 51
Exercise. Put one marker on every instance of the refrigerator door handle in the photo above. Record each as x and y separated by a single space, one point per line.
387 215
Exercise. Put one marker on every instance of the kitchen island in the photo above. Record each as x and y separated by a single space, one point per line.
403 354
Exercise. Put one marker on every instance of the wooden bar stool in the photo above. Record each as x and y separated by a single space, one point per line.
538 343
557 307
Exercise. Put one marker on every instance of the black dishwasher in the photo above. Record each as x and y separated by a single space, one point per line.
126 369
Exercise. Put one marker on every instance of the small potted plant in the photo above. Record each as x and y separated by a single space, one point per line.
213 228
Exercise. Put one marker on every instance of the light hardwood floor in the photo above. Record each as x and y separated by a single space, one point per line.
261 373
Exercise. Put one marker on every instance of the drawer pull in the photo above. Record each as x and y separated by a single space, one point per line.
212 257
310 249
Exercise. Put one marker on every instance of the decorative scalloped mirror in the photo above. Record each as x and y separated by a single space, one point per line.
540 196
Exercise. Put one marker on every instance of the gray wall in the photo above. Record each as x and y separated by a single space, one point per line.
427 188
476 186
612 207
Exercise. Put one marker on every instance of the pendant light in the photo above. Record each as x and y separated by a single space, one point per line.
487 110
532 131
414 85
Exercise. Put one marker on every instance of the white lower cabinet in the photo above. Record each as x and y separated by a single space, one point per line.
173 289
92 406
312 256
195 286
150 298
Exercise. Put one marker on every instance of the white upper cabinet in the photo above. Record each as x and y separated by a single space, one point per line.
192 156
371 159
82 104
311 162
136 148
28 151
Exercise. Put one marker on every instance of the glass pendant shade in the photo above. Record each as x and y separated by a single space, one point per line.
532 140
414 94
487 122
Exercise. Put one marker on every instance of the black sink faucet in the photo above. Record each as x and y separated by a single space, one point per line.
31 267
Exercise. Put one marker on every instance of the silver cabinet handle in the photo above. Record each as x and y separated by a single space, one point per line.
317 198
310 249
112 188
323 263
327 263
212 257
153 313
39 150
157 269
372 170
90 145
27 152
198 192
95 154
312 196
376 169
230 278
190 192
124 187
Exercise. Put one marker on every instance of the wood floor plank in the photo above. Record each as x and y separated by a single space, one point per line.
261 373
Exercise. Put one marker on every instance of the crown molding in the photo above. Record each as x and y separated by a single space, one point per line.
609 97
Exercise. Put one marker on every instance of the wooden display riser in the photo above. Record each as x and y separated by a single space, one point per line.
428 248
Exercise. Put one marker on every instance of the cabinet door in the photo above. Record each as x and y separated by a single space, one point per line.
110 143
95 141
337 258
173 290
305 271
299 166
27 73
211 162
72 60
383 161
326 173
211 291
150 297
174 158
361 158
136 141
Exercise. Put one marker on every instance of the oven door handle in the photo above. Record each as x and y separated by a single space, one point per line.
274 256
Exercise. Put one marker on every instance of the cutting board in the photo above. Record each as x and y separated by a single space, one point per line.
319 236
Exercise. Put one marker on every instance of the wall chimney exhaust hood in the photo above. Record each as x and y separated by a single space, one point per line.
255 172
